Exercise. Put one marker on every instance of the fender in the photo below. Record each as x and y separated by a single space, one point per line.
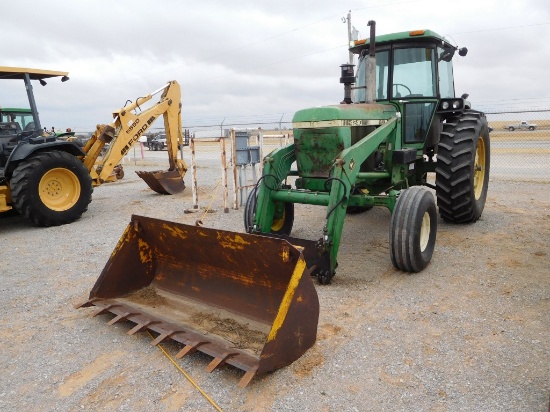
39 144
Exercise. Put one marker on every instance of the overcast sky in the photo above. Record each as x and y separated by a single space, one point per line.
255 60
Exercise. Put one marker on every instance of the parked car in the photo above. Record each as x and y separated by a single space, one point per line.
521 125
158 143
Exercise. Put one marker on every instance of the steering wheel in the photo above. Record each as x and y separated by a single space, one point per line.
402 85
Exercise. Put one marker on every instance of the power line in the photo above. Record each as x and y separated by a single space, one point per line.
499 28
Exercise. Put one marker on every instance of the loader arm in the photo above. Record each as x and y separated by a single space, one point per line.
127 128
321 256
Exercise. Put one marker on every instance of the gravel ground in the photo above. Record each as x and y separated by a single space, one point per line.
469 333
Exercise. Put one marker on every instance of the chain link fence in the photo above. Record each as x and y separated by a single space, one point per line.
520 141
520 144
520 150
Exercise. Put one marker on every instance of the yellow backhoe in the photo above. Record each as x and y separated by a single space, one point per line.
50 181
126 130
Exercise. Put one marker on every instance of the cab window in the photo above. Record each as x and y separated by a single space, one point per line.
413 73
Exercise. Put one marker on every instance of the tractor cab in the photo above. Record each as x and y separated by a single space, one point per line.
14 121
413 72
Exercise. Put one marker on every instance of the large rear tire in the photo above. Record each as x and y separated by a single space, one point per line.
462 171
282 221
51 188
413 230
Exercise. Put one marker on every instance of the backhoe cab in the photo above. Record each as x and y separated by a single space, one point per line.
376 148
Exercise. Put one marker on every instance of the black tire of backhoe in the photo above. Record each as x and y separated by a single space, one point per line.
455 168
24 188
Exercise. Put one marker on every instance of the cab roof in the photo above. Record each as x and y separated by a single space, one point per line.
401 37
34 74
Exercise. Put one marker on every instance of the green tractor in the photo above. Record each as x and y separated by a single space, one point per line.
377 149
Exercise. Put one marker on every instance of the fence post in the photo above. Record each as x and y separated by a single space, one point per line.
224 175
234 162
194 175
261 144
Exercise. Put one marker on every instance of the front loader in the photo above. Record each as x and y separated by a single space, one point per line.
247 299
377 150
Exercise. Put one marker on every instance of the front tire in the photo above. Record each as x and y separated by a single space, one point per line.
283 220
413 230
462 171
51 188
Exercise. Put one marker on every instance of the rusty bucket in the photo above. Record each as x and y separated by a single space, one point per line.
245 300
167 182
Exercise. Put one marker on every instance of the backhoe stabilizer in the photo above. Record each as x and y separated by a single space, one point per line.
245 300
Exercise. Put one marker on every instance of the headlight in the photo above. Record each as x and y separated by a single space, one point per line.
456 104
445 105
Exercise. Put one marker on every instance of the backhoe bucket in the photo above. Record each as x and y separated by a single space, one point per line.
167 182
245 300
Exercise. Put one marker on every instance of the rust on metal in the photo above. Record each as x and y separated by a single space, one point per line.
167 182
253 306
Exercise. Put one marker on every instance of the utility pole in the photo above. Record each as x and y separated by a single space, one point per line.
349 36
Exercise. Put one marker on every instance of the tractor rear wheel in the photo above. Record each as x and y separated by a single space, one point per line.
51 188
462 171
283 220
413 230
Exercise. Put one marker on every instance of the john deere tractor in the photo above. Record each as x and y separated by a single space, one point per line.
399 124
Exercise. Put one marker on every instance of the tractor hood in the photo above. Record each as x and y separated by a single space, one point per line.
343 115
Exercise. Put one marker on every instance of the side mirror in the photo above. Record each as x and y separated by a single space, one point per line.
447 54
462 51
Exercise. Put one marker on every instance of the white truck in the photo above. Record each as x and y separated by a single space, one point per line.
158 143
521 125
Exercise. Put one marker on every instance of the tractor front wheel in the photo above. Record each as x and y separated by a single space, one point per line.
51 188
413 229
283 219
462 171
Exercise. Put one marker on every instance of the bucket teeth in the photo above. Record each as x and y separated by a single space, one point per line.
120 317
245 380
219 361
105 309
140 326
190 348
164 336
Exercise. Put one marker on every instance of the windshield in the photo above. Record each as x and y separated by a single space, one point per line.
24 119
414 71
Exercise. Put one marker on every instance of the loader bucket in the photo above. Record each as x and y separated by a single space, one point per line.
245 300
167 182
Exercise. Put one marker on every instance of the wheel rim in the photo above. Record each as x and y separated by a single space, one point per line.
425 231
278 222
59 189
479 168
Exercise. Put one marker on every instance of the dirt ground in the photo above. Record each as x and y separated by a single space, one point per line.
470 332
